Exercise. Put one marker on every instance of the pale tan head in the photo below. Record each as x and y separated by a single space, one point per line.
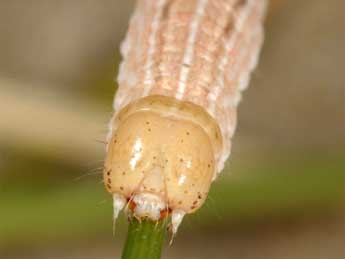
160 157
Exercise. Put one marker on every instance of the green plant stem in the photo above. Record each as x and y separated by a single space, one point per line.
145 239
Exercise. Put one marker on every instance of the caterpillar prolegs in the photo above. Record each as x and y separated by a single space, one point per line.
185 63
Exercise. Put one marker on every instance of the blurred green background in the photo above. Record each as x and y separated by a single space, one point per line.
281 194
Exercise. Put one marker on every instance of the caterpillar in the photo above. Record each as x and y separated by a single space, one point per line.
185 64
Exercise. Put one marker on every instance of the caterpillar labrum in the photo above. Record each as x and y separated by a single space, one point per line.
185 63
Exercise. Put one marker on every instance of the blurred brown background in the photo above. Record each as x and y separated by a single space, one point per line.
281 194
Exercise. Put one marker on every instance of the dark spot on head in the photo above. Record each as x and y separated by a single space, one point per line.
208 165
185 191
180 202
195 202
109 180
109 172
181 160
193 207
154 157
152 189
199 196
115 141
147 123
121 188
123 173
109 186
149 129
188 133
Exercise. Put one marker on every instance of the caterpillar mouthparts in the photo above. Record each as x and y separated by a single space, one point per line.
184 66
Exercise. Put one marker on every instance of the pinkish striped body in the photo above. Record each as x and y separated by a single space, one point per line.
200 51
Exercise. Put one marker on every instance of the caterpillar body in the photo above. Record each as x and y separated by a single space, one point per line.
184 66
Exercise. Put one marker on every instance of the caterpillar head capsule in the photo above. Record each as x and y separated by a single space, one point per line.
161 158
